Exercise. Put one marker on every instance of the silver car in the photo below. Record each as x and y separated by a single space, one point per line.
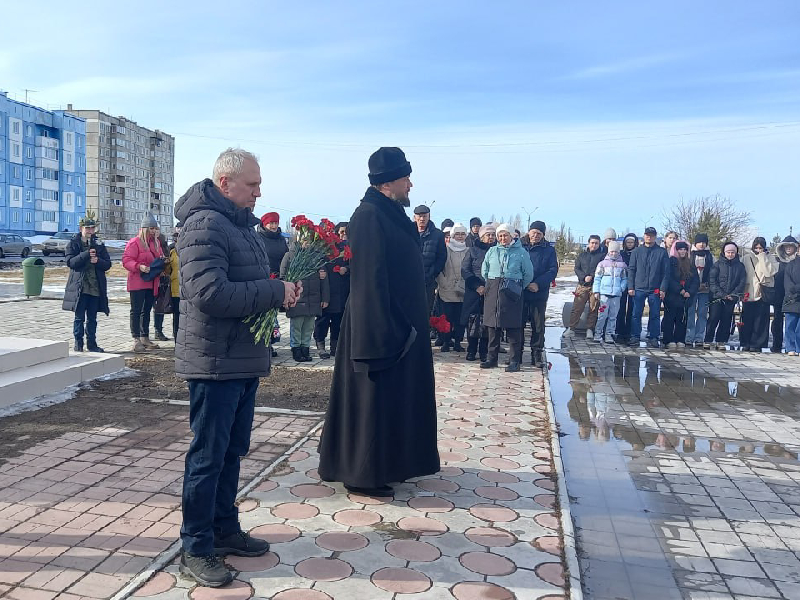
10 243
57 244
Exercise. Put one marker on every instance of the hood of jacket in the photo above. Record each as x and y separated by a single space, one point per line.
272 235
204 195
635 241
483 245
780 250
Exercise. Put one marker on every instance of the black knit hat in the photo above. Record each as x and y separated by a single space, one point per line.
538 226
475 221
388 164
447 223
701 237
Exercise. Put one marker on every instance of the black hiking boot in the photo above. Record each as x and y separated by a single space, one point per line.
205 569
240 544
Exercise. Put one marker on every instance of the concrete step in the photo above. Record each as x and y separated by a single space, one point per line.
17 353
25 383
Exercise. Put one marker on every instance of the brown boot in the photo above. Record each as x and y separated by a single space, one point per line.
138 346
148 344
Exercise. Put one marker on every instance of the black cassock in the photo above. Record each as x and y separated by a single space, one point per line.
381 421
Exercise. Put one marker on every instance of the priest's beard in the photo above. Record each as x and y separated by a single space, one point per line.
401 200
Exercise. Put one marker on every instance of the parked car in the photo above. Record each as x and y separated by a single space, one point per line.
57 243
11 243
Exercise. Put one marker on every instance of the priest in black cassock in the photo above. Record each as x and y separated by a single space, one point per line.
381 421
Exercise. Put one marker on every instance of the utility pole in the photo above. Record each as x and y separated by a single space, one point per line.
26 94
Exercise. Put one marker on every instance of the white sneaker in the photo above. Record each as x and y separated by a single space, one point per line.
589 334
681 345
672 346
569 333
599 340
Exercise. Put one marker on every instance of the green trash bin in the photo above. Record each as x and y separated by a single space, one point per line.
33 275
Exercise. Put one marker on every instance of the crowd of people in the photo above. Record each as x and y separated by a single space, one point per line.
699 293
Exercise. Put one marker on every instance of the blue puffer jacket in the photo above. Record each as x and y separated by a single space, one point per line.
511 262
545 269
648 269
611 277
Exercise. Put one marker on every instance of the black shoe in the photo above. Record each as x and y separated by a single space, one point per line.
512 367
502 350
205 569
323 353
745 348
383 491
93 347
273 352
334 343
536 358
776 350
78 347
458 347
439 342
652 343
306 353
489 364
470 356
445 348
160 336
297 354
483 358
240 544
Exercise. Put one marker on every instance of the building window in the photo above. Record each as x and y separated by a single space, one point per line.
27 173
69 179
29 131
28 217
68 219
68 159
17 172
69 138
80 201
79 181
15 128
15 216
16 150
27 195
29 152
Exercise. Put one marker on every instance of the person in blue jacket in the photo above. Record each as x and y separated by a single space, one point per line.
545 269
648 272
610 283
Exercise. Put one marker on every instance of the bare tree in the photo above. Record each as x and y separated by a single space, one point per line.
715 216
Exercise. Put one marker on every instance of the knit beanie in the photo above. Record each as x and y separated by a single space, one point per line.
458 228
447 230
701 237
505 227
613 246
475 221
610 234
149 221
446 223
270 217
538 226
488 228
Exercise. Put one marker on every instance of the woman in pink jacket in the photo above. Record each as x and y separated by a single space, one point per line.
140 252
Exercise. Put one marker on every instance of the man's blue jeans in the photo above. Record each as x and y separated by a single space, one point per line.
654 320
221 416
86 312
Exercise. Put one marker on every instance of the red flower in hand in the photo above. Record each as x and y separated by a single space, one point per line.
746 296
273 275
337 269
657 291
553 283
347 253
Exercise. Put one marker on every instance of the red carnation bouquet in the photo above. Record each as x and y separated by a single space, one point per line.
313 248
440 324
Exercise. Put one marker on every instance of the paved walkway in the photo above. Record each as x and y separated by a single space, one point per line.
682 470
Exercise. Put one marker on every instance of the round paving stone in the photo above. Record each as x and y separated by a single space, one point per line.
413 550
312 490
157 585
266 486
455 432
503 439
301 594
456 444
498 477
496 493
236 590
323 569
543 469
552 573
545 484
501 450
505 419
438 485
503 428
542 454
546 500
450 471
548 520
499 463
451 457
430 504
276 533
341 541
295 510
298 456
357 517
487 563
422 525
548 543
490 536
401 580
472 590
247 505
252 564
493 513
359 499
312 474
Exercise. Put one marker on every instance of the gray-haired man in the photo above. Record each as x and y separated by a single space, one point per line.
224 273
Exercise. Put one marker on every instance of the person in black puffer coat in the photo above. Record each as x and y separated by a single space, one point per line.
474 289
339 283
545 269
274 241
434 250
224 279
86 293
789 279
625 314
727 281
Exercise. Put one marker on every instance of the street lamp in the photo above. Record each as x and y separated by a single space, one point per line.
529 213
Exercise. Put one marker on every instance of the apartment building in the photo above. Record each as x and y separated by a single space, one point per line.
42 169
130 171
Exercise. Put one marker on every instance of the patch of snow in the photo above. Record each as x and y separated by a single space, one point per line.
41 402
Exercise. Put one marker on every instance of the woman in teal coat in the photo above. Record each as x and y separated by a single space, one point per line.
502 308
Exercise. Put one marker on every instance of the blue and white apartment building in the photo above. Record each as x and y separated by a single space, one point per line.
42 169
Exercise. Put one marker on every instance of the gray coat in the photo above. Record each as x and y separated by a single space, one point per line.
315 292
224 274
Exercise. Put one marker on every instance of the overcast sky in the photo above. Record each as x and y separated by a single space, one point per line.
599 114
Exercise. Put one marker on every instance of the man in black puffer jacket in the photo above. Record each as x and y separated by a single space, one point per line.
224 273
545 269
434 250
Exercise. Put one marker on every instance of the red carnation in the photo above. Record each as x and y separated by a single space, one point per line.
746 296
273 275
337 269
657 291
553 283
348 254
